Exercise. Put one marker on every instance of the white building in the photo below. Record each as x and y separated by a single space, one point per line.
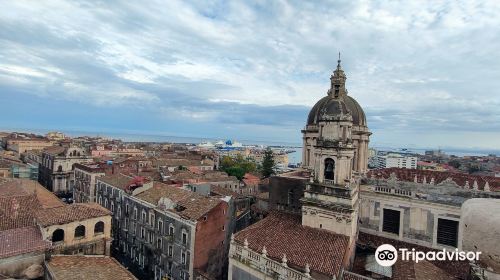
395 160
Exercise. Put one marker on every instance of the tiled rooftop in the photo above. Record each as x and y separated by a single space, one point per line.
87 267
196 206
21 240
283 233
71 213
218 190
159 190
117 180
55 150
190 205
17 212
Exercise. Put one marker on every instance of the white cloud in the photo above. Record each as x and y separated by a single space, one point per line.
406 59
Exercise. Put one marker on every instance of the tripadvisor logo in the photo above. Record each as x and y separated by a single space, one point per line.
387 255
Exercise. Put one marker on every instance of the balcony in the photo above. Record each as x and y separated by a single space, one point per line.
331 190
268 266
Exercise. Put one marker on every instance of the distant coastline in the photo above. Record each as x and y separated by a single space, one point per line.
131 137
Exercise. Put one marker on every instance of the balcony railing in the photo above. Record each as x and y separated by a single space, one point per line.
265 264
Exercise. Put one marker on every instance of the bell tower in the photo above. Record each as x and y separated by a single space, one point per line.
330 199
337 80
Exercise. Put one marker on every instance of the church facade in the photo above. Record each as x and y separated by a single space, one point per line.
328 218
324 216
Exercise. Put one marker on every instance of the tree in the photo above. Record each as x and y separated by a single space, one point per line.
454 163
237 166
268 163
236 171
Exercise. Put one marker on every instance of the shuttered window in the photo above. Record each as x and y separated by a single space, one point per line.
391 221
447 232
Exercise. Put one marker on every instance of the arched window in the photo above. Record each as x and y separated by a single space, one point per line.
58 235
99 227
78 153
80 231
329 169
59 168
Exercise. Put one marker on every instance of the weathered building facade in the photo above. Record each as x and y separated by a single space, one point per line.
164 230
56 169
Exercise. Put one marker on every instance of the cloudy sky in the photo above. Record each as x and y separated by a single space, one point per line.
426 73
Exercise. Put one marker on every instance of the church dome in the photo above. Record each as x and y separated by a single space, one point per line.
337 102
333 106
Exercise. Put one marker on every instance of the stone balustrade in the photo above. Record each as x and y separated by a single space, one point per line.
264 264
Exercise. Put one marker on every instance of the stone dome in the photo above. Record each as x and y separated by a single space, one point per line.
333 106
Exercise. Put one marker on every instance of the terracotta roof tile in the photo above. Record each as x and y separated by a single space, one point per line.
21 240
71 213
283 233
218 190
25 187
159 190
196 206
117 180
87 267
17 212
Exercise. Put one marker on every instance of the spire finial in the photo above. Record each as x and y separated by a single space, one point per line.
338 62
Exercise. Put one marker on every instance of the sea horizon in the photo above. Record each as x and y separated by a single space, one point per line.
157 138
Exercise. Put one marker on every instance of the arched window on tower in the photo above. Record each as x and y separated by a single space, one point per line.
329 169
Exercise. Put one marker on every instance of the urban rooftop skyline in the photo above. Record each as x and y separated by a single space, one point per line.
425 73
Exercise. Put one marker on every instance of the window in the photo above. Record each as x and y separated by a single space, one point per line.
170 250
223 228
99 200
183 257
329 169
152 219
126 223
99 227
105 203
160 226
126 209
58 235
143 233
184 238
447 232
112 206
391 221
144 216
158 243
80 231
119 212
135 213
171 230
